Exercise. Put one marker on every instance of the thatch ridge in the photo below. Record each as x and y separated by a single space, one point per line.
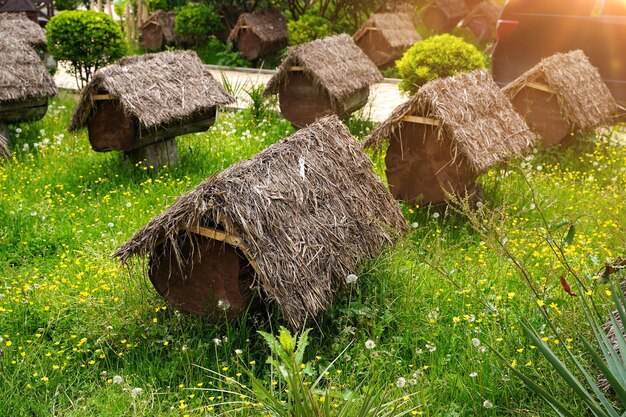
584 98
472 112
23 76
335 64
19 26
309 209
397 29
269 25
166 21
452 9
157 89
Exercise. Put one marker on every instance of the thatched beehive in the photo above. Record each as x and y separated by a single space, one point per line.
482 21
295 219
19 26
450 132
443 15
4 147
148 100
385 37
326 76
25 84
259 33
158 30
562 94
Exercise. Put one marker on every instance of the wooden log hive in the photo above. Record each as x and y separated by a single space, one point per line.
158 30
140 104
291 223
324 77
443 15
563 93
442 139
386 36
258 34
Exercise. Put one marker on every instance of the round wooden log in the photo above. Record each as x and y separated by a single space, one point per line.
376 47
301 102
152 37
214 281
419 167
159 154
249 44
109 128
542 113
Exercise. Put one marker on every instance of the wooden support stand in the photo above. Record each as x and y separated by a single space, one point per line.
159 154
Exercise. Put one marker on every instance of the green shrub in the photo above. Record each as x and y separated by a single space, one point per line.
67 4
86 39
195 23
215 52
437 57
307 28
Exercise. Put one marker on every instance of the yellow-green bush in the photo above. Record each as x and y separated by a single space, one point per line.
437 57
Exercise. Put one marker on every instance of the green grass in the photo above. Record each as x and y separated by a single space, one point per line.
71 319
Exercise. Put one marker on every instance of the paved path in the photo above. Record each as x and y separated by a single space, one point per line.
384 97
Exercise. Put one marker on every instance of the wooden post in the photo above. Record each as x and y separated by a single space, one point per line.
156 154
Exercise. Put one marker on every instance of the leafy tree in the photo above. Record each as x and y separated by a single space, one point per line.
88 40
195 23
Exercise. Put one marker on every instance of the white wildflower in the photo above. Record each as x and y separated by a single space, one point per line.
223 304
369 344
351 279
401 382
117 379
217 342
473 375
475 342
136 392
487 404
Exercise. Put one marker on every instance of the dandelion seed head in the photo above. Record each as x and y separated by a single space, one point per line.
370 344
351 279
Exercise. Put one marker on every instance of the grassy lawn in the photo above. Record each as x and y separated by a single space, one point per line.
82 336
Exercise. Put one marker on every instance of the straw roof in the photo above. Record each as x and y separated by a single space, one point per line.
334 64
488 11
452 9
157 89
18 6
269 25
584 98
19 26
22 74
166 21
309 209
473 114
397 29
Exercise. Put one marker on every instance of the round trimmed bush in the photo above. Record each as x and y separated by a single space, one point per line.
195 23
88 40
437 57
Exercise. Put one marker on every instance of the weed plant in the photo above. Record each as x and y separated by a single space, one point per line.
81 336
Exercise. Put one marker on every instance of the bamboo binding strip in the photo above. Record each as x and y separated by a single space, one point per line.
420 120
540 87
226 238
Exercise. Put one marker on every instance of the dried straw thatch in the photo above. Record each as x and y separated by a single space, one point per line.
397 29
166 21
309 209
334 64
583 97
472 112
22 74
157 89
19 26
452 9
269 26
487 13
17 6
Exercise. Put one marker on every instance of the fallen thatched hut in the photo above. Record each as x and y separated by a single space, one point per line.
259 33
562 94
445 136
25 84
158 30
19 26
326 76
293 221
26 7
482 21
443 15
385 37
141 103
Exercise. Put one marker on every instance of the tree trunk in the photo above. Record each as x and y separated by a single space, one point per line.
156 155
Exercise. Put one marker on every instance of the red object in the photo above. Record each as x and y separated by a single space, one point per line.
566 287
504 28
